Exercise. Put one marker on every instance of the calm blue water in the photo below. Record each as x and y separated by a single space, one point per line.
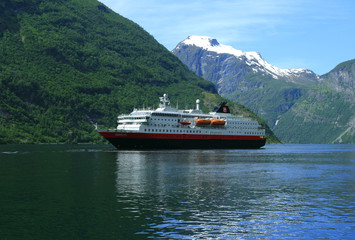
96 192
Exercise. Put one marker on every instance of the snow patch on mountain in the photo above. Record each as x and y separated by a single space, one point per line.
253 59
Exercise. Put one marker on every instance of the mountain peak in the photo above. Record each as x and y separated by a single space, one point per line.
201 41
252 58
211 44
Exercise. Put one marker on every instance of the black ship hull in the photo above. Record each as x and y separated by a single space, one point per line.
127 141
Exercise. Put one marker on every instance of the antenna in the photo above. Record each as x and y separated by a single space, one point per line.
164 100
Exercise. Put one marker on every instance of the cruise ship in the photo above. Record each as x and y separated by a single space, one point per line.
170 128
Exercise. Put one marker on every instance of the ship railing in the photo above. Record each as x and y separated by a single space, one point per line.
106 130
132 121
116 130
240 118
132 116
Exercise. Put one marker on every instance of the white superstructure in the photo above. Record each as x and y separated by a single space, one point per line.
166 119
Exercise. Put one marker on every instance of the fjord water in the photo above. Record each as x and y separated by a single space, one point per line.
97 192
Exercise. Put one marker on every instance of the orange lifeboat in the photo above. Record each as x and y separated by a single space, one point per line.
201 121
185 122
218 122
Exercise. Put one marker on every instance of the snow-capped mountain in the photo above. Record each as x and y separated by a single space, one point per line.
298 105
252 59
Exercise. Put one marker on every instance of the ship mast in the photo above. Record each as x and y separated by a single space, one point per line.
164 100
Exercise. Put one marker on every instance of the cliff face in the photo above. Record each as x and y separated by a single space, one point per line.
342 77
300 106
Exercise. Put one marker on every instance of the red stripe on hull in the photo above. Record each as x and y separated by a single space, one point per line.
123 140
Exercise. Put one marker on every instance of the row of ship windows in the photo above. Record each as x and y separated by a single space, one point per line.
172 131
164 125
165 114
248 133
230 122
173 120
192 131
238 123
178 115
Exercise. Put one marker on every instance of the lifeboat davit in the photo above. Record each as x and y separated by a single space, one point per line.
218 122
205 121
185 122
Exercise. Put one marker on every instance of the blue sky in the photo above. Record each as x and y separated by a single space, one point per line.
313 34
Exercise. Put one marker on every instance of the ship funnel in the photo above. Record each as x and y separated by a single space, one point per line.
221 108
198 104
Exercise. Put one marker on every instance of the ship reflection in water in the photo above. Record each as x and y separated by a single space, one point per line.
234 194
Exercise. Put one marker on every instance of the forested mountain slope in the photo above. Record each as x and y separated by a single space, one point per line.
67 64
326 113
